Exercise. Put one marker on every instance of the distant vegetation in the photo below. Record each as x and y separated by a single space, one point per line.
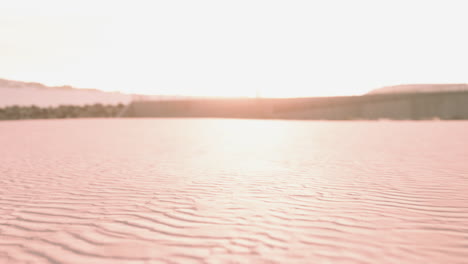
63 111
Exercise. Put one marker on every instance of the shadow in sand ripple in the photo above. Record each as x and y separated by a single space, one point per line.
224 191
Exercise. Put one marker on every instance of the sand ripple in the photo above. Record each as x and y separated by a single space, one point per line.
233 191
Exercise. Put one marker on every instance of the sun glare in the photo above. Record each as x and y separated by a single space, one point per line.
241 48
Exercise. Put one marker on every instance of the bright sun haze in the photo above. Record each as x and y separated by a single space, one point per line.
234 48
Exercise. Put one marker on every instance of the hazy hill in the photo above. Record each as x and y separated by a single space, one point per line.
32 93
420 88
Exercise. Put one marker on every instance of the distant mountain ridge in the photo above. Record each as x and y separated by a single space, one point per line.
4 83
33 93
421 88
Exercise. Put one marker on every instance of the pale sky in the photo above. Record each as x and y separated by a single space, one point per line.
234 48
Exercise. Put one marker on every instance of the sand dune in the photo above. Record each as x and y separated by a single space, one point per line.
421 88
232 191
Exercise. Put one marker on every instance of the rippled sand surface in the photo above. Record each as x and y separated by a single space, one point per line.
233 191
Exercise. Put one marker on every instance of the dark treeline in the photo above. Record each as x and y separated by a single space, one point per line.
63 111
